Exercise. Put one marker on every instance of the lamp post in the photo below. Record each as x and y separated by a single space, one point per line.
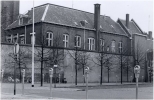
33 48
16 50
55 66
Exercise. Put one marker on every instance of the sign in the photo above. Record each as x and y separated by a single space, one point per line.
137 71
16 48
54 66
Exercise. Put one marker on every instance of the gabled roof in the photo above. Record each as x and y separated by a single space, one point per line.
133 27
70 17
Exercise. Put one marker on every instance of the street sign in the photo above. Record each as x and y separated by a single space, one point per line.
55 66
137 71
16 48
87 70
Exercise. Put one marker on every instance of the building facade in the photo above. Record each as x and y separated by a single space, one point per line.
89 32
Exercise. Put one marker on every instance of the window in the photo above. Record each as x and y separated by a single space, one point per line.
108 49
120 47
20 21
113 46
49 39
15 38
77 41
9 39
101 44
22 39
65 40
91 43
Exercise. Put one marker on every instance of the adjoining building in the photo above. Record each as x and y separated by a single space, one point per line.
73 30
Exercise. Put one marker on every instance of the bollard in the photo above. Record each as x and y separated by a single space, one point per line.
51 74
23 75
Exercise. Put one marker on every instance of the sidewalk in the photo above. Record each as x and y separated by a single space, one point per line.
9 96
70 85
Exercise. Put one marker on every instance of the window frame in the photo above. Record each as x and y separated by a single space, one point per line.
113 46
77 43
66 40
49 39
91 43
120 47
102 44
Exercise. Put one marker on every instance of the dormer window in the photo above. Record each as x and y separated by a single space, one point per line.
20 21
22 39
15 38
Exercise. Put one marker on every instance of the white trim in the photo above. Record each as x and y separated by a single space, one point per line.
45 12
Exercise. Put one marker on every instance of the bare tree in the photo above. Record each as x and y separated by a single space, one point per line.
21 59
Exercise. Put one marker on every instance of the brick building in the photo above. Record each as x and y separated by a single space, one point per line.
91 32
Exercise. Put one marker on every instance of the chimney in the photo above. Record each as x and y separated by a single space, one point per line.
97 16
97 24
127 20
150 34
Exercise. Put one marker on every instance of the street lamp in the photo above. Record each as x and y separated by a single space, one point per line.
55 66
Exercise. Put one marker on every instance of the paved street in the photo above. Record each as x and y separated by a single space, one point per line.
68 91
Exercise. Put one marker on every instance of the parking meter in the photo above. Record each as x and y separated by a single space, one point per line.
137 71
86 72
51 74
23 72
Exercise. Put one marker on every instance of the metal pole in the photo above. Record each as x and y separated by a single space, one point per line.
23 84
136 88
33 49
50 86
15 77
86 86
55 79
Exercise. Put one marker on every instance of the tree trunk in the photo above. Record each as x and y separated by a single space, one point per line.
101 74
75 74
127 70
108 75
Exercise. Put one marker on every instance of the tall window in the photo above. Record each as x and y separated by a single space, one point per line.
120 47
49 39
66 40
15 38
101 44
22 39
113 46
91 43
77 41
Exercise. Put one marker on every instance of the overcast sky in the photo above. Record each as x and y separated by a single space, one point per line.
140 11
